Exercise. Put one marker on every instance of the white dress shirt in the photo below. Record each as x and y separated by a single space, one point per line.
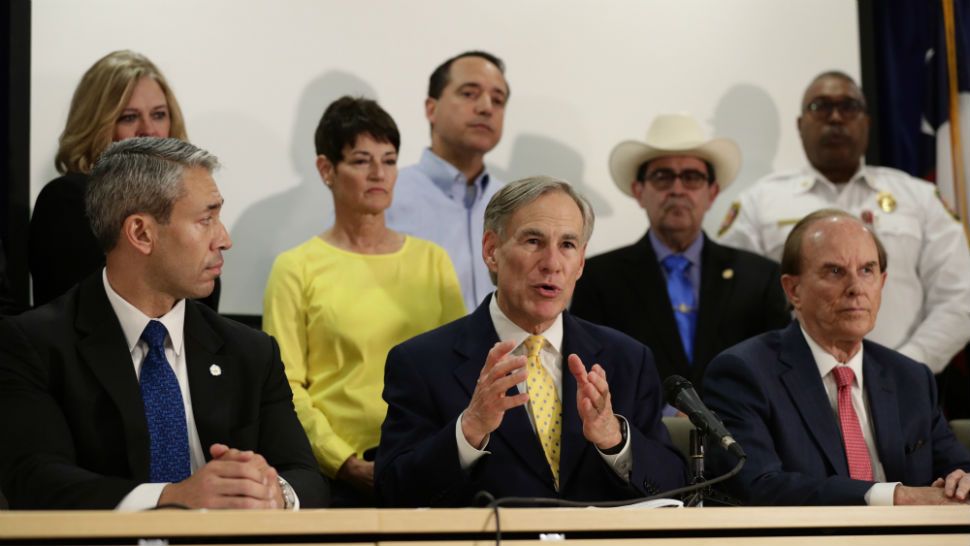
881 493
552 361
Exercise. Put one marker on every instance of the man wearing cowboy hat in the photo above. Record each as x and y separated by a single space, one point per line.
675 290
926 310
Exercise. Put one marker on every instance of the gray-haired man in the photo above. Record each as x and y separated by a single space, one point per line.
124 393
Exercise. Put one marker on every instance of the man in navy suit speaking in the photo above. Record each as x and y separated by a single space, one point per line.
520 398
825 416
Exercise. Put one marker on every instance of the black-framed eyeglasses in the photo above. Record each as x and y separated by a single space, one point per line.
663 179
822 109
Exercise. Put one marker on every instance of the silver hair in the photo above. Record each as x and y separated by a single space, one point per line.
139 175
520 193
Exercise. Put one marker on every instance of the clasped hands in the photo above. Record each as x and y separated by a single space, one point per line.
232 479
502 371
954 489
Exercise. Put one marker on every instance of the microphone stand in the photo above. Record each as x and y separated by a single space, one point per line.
695 465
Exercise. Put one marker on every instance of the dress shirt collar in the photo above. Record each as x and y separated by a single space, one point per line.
133 321
448 178
693 252
826 362
506 329
815 178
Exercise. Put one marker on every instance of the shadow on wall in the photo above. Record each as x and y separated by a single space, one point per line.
286 219
749 116
535 154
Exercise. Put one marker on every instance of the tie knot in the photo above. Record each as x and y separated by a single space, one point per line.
154 335
844 376
676 263
534 344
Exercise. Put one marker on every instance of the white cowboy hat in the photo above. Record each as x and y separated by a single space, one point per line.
674 134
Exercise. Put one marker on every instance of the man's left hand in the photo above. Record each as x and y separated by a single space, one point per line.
956 485
600 426
223 452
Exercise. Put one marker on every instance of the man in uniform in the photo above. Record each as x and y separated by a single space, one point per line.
926 310
443 197
681 294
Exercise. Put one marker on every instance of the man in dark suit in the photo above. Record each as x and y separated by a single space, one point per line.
485 403
824 416
124 393
675 290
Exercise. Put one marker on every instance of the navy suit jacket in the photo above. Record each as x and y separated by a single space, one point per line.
769 393
72 421
429 381
740 297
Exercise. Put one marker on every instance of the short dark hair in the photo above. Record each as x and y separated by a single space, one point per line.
835 74
791 257
642 170
346 119
442 75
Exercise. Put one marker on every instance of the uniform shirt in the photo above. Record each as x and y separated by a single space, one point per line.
433 201
925 311
335 315
552 358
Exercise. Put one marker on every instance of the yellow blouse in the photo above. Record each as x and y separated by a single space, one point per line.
335 315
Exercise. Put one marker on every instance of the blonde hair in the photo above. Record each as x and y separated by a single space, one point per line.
99 99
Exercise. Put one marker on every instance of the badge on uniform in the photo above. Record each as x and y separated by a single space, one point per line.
729 218
946 205
886 201
867 217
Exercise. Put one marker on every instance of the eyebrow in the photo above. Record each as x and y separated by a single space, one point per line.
215 206
477 85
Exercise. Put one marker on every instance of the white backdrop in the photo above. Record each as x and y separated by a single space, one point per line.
254 76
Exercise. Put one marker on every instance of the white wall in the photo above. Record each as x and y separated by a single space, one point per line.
254 76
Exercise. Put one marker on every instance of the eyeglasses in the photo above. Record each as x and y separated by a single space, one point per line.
821 109
663 179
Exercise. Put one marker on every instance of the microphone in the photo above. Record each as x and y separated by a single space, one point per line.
681 395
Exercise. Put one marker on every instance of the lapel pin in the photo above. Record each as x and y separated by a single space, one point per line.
215 370
886 201
727 274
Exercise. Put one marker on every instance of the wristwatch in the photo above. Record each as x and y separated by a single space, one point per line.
289 496
618 447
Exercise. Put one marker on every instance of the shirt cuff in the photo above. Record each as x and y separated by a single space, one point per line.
467 453
142 497
622 462
881 494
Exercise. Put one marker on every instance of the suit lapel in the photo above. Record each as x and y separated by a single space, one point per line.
212 388
649 285
884 414
804 384
516 431
576 340
715 290
103 348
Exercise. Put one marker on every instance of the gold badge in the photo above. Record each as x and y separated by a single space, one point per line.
683 308
886 201
727 274
729 218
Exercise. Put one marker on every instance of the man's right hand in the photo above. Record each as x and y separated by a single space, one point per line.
489 402
232 479
358 473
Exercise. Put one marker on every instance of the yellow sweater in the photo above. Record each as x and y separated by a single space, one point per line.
336 314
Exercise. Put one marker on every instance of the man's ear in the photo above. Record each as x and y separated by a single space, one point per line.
490 242
790 284
430 107
141 232
636 188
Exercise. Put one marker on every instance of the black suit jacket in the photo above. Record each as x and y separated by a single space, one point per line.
770 394
740 296
429 381
72 420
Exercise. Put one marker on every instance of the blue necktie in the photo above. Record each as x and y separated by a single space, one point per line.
682 297
164 410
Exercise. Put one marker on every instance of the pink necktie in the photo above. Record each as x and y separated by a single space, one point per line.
860 467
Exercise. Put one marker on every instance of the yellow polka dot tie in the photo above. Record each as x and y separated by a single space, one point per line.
546 407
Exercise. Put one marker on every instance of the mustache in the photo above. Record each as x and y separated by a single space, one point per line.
675 201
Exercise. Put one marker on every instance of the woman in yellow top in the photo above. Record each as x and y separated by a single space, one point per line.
340 301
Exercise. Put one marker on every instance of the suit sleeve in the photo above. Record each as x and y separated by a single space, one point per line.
417 460
948 453
38 463
657 465
736 394
282 440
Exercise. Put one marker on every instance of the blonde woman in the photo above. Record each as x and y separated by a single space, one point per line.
123 95
340 301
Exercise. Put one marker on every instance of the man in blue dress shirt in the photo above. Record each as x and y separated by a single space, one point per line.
442 198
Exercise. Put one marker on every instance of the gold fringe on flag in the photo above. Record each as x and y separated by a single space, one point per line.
956 147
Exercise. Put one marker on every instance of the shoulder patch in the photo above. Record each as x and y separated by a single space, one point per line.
946 205
730 217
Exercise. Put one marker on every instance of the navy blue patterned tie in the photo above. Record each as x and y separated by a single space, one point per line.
164 410
682 297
